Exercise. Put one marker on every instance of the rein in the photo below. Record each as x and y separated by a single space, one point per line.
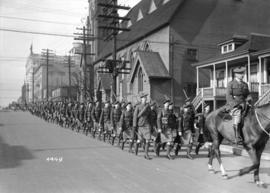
260 124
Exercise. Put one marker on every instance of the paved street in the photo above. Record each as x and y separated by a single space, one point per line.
28 143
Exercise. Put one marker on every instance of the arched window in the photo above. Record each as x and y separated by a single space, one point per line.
140 80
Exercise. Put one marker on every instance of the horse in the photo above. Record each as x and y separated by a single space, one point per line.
255 133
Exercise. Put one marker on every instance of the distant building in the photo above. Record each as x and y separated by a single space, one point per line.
167 36
32 62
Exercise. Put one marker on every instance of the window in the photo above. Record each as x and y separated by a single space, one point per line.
192 54
220 78
253 74
140 80
140 15
153 7
227 48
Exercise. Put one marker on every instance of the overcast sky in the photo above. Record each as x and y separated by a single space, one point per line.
50 16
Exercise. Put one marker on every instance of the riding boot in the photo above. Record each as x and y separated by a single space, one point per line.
189 151
146 156
238 139
169 148
104 137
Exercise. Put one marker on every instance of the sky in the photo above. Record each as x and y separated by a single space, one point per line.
46 16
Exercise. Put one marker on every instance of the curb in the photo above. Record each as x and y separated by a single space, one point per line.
241 152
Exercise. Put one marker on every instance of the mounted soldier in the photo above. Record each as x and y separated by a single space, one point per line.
237 95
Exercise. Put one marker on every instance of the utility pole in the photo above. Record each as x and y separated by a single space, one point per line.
33 86
46 54
70 63
85 36
114 66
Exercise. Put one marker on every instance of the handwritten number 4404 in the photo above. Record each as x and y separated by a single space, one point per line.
54 159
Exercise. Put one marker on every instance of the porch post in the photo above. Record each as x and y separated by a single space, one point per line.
226 74
265 70
260 76
248 75
198 85
214 80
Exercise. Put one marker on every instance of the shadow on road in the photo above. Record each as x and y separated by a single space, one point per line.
74 148
2 125
11 156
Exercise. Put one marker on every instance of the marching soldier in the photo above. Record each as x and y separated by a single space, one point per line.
88 119
115 119
153 118
96 117
142 123
236 96
126 123
105 120
186 126
166 123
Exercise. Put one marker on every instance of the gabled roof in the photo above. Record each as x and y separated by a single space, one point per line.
152 65
255 43
106 81
144 27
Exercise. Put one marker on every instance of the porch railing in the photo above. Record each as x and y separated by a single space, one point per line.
265 88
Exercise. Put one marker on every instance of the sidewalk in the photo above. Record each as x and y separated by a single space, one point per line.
242 152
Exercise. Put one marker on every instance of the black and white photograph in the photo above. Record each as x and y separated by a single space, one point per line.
134 96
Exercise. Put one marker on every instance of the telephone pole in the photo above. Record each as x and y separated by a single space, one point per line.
85 36
114 66
70 63
46 55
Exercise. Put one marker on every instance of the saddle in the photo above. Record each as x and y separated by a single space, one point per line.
226 115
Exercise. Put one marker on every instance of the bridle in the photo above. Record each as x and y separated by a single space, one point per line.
260 124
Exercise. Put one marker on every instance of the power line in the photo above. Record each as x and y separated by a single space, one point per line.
38 33
36 20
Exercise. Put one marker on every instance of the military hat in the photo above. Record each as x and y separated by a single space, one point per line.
239 70
166 101
153 103
171 103
107 101
116 102
142 94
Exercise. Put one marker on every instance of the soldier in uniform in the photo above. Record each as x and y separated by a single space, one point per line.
203 133
142 123
166 122
153 117
105 120
88 119
236 96
115 120
126 123
95 114
186 126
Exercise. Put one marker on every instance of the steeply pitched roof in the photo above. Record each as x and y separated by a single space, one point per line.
106 81
152 64
255 43
150 22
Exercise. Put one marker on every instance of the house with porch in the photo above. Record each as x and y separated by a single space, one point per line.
251 52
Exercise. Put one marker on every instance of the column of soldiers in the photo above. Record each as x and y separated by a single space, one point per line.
139 126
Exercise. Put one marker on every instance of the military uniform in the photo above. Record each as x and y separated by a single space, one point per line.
115 120
236 96
96 112
142 123
126 124
186 127
105 121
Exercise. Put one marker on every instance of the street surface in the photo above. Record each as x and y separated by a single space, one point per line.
40 157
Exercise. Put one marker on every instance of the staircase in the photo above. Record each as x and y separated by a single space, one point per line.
197 101
264 99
